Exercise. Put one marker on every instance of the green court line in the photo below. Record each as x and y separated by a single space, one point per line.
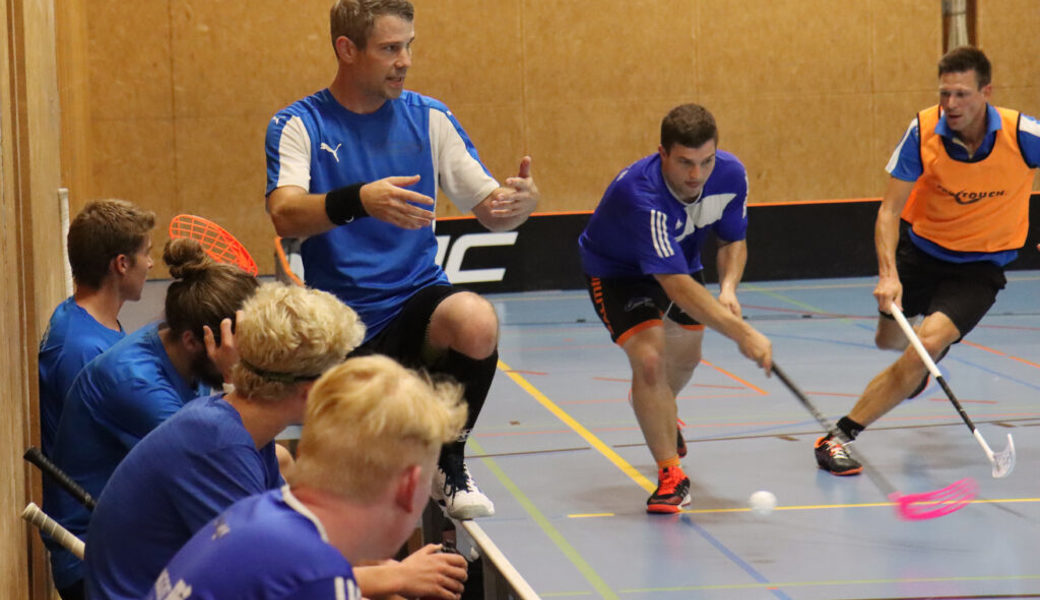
792 301
565 547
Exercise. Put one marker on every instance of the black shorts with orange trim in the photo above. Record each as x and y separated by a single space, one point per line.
628 305
964 292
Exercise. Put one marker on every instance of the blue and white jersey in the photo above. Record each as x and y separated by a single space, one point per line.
175 481
266 547
115 401
640 228
318 145
73 339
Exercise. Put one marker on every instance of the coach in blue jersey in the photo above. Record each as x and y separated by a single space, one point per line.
354 169
108 245
641 255
371 435
142 380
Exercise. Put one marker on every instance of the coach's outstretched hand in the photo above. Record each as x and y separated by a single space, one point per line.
387 200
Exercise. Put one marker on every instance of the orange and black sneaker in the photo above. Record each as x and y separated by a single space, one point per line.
673 491
831 456
680 441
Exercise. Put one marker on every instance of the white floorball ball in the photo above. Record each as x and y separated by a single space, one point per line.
762 502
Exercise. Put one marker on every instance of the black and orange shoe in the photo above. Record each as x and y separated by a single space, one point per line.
680 441
831 456
673 491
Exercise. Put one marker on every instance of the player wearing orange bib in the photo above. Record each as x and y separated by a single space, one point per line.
955 213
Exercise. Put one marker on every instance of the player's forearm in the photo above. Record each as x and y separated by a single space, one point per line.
698 302
886 228
298 214
379 581
731 260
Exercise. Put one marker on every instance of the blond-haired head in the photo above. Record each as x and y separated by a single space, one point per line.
369 418
288 335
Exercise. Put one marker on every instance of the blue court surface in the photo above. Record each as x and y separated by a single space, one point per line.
558 449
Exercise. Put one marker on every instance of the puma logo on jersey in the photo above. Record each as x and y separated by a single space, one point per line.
966 197
333 151
276 119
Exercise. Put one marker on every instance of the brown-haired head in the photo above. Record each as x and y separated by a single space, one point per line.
354 18
967 58
203 291
690 125
102 231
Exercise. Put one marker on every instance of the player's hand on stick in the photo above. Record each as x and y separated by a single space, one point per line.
728 299
519 197
225 355
387 200
888 291
430 573
758 348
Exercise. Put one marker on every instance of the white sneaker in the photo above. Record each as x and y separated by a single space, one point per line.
456 492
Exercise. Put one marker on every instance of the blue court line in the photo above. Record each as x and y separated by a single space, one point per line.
734 558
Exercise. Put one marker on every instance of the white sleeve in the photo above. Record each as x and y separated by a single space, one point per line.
459 174
294 155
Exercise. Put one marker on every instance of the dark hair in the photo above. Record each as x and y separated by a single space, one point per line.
690 125
967 58
203 292
103 230
354 18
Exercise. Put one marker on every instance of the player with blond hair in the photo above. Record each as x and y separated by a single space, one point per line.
371 437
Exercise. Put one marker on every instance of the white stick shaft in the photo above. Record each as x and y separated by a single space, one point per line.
53 529
63 209
985 446
908 330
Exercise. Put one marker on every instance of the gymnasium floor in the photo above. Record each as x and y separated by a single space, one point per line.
564 460
558 449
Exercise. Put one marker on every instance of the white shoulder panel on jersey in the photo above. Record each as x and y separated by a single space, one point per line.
894 159
460 175
294 155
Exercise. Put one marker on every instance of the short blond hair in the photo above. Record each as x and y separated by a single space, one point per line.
369 418
289 335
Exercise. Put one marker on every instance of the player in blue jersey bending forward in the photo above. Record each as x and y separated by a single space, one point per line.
371 435
353 169
642 261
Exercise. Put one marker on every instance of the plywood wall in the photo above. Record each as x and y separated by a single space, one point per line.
811 94
31 268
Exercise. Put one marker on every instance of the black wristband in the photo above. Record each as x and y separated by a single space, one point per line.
343 205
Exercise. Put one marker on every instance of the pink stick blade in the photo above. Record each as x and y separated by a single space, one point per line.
930 505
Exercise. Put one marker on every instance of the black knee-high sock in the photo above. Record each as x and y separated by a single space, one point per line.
475 377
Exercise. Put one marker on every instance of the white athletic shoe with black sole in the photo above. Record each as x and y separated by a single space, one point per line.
455 491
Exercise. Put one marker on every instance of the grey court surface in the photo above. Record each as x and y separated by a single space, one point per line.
558 449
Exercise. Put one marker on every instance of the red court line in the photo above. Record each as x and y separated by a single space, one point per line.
617 400
522 372
616 379
735 378
999 353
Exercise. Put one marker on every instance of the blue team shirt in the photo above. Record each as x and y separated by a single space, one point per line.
72 339
640 228
905 164
265 547
178 478
115 401
373 266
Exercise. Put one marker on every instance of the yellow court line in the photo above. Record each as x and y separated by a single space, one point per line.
705 511
578 428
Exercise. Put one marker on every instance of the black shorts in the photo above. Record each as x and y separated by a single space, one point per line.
628 305
964 292
404 337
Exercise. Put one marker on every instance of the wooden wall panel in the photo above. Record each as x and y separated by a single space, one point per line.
1005 32
579 84
30 262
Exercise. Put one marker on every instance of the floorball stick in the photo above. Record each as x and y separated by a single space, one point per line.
1004 461
53 530
216 241
50 469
